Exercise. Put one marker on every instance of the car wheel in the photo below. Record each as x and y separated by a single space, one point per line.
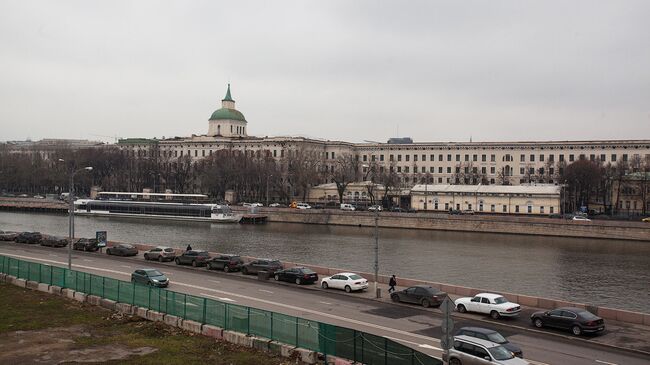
461 308
178 262
226 268
108 252
494 315
426 303
394 298
348 289
576 330
538 323
276 277
454 362
298 281
244 271
193 263
146 257
324 285
160 259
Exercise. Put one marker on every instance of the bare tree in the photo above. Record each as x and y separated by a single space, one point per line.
345 171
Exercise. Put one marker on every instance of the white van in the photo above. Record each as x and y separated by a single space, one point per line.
349 207
303 206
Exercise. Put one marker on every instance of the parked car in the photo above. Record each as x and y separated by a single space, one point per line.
123 249
298 275
423 295
277 205
345 281
23 196
555 215
54 241
469 350
396 209
375 208
455 212
318 206
151 277
468 212
493 304
39 197
647 220
226 263
8 236
29 237
490 335
580 218
193 257
255 266
252 204
161 254
348 207
576 320
86 244
303 206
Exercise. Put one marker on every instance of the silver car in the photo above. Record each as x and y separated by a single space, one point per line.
474 351
161 254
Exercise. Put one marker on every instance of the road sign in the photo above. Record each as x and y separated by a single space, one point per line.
447 326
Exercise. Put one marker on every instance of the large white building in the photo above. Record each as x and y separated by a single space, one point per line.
500 163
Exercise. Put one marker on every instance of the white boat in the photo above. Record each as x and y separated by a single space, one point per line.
185 207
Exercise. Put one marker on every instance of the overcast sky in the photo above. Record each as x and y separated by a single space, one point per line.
339 70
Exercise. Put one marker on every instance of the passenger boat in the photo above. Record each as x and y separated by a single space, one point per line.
186 207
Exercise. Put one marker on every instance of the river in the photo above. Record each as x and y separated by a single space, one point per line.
598 272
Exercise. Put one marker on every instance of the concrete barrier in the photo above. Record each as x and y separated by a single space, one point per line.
3 277
31 285
141 312
191 326
10 279
79 296
68 293
238 338
56 290
307 356
172 320
108 304
42 287
155 316
124 308
20 282
261 344
94 300
333 360
212 331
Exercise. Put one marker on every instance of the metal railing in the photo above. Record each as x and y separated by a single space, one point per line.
295 331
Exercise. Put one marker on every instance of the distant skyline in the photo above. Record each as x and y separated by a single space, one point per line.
338 70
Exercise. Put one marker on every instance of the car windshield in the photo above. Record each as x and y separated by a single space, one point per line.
154 273
500 300
127 246
169 250
496 337
588 316
500 353
355 277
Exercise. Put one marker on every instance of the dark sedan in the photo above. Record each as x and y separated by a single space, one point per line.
86 244
123 249
298 275
424 295
490 335
151 277
576 320
54 241
255 266
29 237
226 263
193 257
8 236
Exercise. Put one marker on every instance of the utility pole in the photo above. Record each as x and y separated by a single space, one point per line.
377 291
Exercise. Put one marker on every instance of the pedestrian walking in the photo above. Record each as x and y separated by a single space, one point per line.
391 284
189 248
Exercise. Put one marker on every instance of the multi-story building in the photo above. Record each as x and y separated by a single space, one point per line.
489 163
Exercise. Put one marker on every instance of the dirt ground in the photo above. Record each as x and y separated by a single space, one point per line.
39 328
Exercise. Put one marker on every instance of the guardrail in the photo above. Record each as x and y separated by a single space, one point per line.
327 339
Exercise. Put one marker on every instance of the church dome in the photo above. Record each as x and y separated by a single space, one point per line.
226 113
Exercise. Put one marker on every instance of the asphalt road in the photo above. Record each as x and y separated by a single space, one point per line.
413 326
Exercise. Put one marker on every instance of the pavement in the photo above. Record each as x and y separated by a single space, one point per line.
414 326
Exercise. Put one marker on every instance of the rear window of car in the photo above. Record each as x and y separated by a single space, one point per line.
203 253
355 277
500 300
587 316
308 271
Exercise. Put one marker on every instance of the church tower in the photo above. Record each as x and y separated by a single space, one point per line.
227 121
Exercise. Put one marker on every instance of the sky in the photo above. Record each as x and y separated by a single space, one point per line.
336 70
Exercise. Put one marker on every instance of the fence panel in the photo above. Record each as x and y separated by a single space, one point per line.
70 279
34 272
23 269
125 292
96 285
373 350
111 290
58 276
176 304
215 313
156 300
14 266
194 308
398 354
285 329
308 334
237 318
3 264
45 274
422 359
338 341
260 323
141 297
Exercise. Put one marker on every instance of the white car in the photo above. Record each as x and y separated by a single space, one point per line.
345 281
495 305
348 207
375 208
303 206
580 218
252 205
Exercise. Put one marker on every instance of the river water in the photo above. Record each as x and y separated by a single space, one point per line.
598 272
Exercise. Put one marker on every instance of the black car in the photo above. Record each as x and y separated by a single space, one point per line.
123 249
396 210
193 257
424 295
86 244
151 277
54 241
298 275
255 266
577 320
226 263
29 237
490 335
8 236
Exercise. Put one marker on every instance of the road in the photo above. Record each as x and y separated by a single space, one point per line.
413 326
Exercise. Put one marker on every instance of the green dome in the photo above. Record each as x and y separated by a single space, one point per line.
225 113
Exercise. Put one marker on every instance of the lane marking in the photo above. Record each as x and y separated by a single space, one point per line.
326 303
536 362
216 297
265 291
422 345
89 260
606 362
268 302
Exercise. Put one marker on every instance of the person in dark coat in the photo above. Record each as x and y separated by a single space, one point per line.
391 284
189 248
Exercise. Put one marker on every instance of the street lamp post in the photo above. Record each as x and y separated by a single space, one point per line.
71 212
377 292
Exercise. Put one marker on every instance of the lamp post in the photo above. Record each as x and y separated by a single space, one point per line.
377 293
71 212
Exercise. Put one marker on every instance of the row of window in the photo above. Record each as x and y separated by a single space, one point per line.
522 158
493 208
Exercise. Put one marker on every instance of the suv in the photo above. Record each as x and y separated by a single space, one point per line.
469 350
29 237
490 335
122 249
161 254
193 257
86 244
226 263
255 266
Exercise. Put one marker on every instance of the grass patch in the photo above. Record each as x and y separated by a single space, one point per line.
24 309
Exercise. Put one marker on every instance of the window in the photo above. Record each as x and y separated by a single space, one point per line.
203 153
391 158
440 169
457 157
449 170
592 157
399 157
474 157
466 157
424 158
530 209
505 208
433 157
415 158
408 157
551 158
493 158
439 158
613 157
492 170
571 158
516 209
399 168
484 170
522 170
541 209
381 157
365 158
541 158
448 157
625 157
550 210
602 157
446 206
532 158
432 169
561 158
522 158
492 208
